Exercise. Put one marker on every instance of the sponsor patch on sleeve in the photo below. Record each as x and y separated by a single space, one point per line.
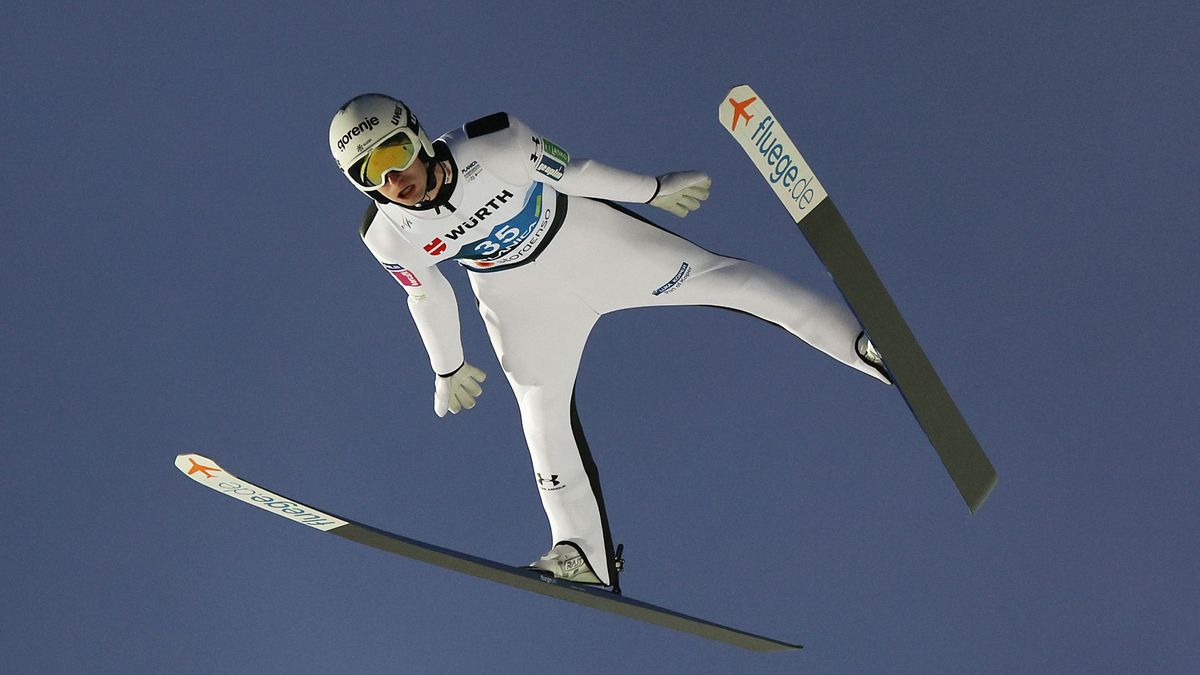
551 160
405 277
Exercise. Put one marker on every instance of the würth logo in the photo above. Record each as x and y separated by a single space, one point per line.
437 246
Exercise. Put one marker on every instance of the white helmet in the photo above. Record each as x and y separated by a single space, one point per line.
373 134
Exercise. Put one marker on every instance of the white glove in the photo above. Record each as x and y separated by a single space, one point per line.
457 390
681 193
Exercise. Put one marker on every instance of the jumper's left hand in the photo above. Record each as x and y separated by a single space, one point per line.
681 192
458 390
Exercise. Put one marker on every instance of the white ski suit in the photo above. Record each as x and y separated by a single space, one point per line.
547 259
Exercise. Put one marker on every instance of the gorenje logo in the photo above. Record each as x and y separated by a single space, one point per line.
771 151
208 473
362 127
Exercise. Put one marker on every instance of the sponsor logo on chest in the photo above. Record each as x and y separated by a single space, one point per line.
482 214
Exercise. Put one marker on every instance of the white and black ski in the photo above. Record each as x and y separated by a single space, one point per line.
744 115
208 473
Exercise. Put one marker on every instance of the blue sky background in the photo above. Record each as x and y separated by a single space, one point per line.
181 272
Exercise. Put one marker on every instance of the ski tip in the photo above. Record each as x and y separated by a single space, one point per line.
736 95
740 88
192 464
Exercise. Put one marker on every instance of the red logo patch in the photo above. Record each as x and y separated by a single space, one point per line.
435 247
402 275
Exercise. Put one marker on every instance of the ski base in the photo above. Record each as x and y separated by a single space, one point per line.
208 473
906 362
746 117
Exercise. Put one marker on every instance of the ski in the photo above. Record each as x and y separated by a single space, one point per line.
210 474
744 115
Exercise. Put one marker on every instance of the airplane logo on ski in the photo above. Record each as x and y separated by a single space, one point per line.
200 468
739 110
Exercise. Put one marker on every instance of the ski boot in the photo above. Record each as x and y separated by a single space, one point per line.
567 561
868 353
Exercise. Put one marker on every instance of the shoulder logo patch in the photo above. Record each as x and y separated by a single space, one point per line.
486 125
549 159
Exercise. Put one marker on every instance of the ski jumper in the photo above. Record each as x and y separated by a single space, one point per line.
548 255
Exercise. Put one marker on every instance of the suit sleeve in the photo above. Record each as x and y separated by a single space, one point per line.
540 159
431 299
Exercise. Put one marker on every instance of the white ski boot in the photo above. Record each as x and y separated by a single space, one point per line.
566 561
867 352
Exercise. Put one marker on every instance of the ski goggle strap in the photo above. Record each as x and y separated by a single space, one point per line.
395 153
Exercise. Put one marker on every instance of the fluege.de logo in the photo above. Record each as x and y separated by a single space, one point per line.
210 474
784 169
745 115
271 501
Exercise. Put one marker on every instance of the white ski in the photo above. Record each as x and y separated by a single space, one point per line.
744 115
209 474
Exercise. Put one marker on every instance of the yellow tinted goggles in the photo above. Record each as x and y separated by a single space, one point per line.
395 153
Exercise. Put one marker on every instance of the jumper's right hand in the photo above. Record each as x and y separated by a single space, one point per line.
681 192
456 391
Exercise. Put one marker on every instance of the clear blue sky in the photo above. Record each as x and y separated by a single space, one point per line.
181 272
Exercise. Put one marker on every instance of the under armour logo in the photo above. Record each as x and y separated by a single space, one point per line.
552 481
